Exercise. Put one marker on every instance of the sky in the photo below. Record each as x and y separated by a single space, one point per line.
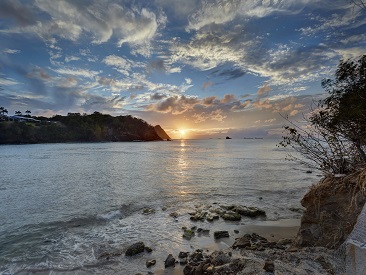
210 68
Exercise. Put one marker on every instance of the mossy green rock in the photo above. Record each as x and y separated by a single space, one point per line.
188 234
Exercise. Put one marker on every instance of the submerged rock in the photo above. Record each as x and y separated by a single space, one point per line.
148 211
188 234
170 261
136 248
221 234
174 215
148 249
150 263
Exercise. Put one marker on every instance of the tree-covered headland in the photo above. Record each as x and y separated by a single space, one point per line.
75 127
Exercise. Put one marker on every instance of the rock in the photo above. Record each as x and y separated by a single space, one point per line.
193 228
296 209
332 206
164 208
183 261
199 216
150 263
148 211
284 242
183 254
242 243
221 234
188 234
249 211
174 215
220 258
209 218
269 266
292 249
170 261
231 216
236 231
136 248
309 172
197 256
148 249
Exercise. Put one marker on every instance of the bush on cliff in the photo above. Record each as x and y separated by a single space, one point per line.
334 139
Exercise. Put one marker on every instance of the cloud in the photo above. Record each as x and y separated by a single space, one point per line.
157 96
77 72
294 112
11 51
270 120
188 80
263 91
20 12
174 104
228 98
40 73
208 101
230 74
69 58
219 12
207 84
122 65
8 81
241 106
216 115
97 20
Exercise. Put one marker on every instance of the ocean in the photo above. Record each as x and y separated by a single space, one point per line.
64 206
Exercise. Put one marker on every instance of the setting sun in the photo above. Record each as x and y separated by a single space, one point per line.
182 133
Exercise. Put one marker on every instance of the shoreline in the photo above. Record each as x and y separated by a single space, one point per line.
273 231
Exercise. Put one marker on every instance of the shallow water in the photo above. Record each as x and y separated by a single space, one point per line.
62 205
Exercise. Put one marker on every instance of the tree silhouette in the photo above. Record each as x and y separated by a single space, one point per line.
28 112
334 141
18 113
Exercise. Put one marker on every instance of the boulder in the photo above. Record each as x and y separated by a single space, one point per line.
332 206
136 248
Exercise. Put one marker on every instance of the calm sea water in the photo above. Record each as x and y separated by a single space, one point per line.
62 205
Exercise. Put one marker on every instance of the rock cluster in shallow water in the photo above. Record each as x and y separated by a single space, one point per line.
226 212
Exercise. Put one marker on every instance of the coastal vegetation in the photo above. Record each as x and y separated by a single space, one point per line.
75 127
333 137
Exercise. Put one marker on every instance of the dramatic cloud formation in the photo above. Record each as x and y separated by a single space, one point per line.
215 67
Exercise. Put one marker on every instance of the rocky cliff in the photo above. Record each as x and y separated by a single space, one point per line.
332 207
161 133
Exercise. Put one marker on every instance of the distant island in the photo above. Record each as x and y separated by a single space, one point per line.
76 127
